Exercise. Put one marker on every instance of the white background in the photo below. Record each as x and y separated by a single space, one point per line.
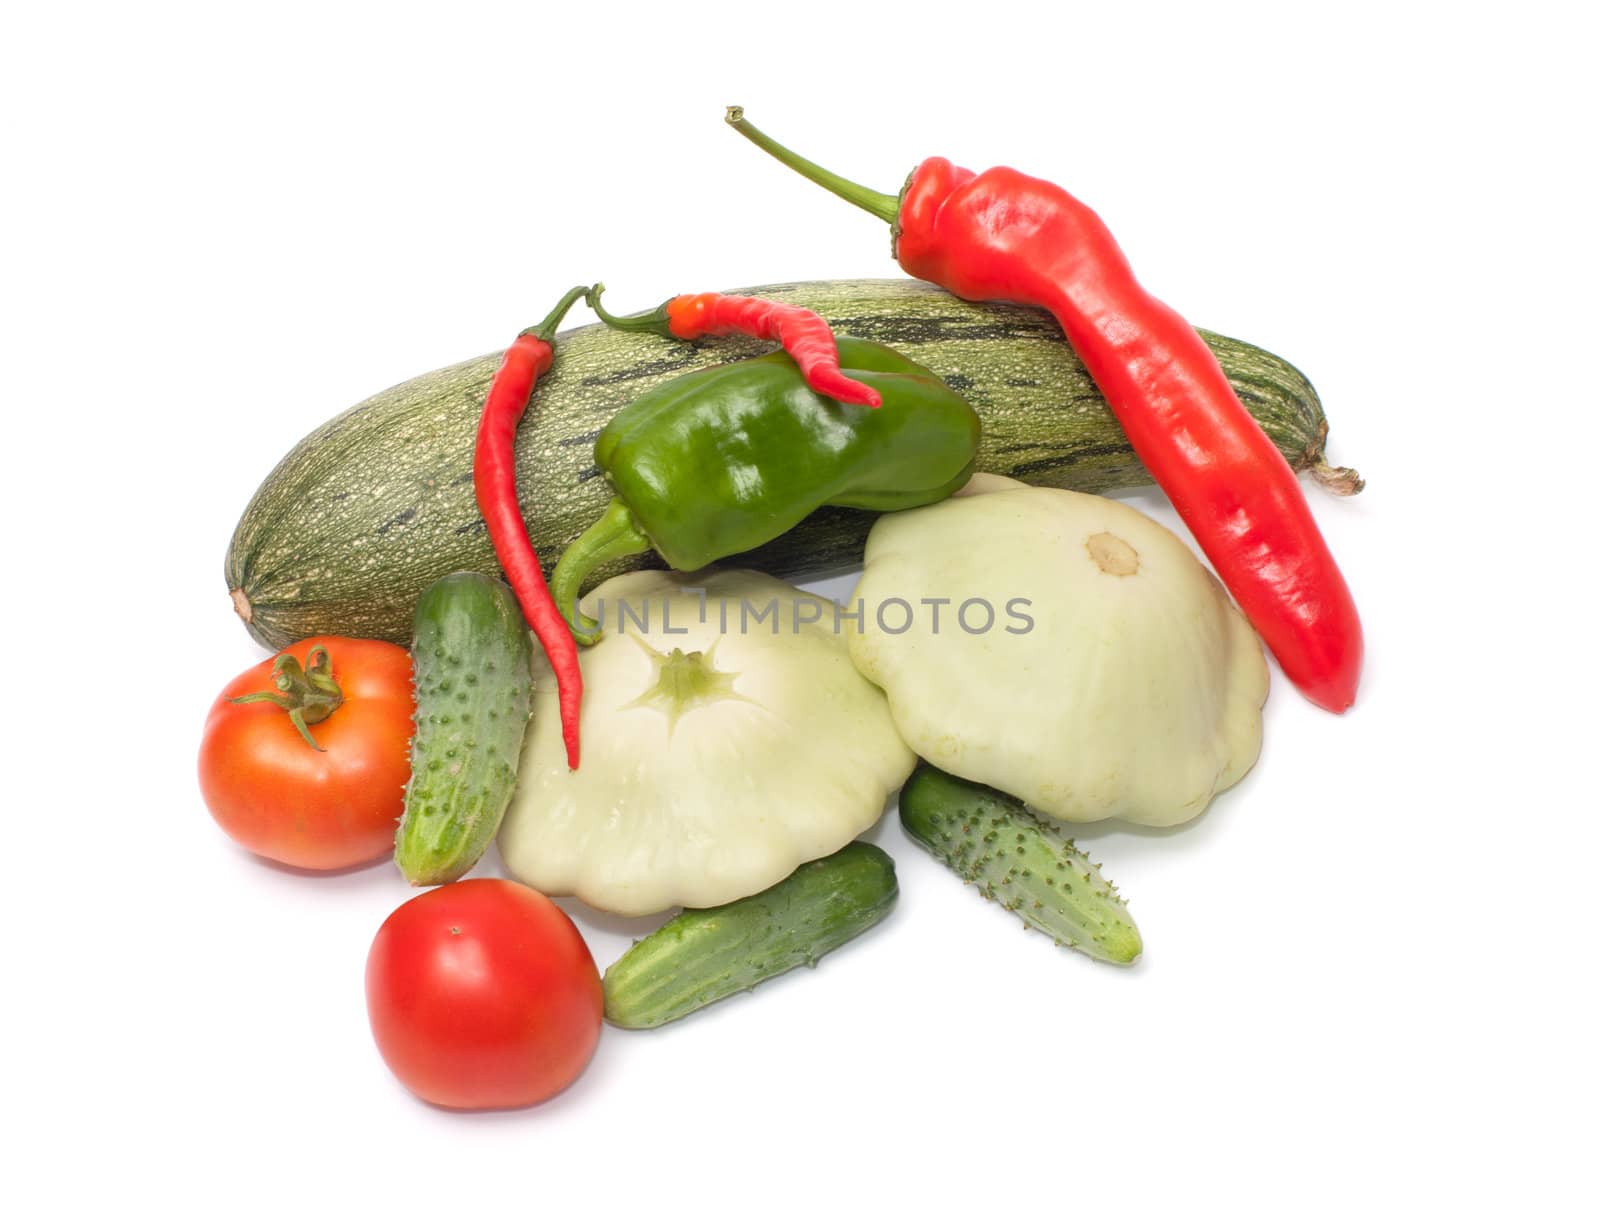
1367 985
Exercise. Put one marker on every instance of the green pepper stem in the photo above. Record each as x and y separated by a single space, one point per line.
614 535
546 329
307 694
885 207
655 321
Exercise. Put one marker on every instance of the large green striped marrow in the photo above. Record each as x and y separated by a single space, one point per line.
373 507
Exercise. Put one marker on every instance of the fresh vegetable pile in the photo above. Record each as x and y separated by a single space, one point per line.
717 739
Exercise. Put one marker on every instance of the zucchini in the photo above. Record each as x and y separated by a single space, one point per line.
1020 861
472 663
703 955
366 511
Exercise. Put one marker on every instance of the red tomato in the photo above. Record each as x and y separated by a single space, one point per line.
482 994
281 798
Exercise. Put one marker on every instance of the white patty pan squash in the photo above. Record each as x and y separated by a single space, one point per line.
719 752
1136 691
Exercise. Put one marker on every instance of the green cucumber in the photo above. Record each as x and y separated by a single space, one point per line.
1019 861
370 508
704 955
472 661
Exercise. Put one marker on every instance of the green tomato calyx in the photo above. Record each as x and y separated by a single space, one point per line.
307 694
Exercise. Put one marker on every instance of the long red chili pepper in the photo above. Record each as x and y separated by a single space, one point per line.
1003 236
494 479
804 334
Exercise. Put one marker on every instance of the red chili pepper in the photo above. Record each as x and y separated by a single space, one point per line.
494 479
804 334
1003 236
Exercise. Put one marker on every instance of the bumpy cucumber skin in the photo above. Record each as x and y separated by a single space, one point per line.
371 507
472 664
704 955
1020 862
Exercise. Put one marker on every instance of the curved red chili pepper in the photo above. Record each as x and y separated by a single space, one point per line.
494 480
804 334
1004 236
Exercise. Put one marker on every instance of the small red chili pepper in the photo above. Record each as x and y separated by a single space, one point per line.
494 479
804 334
1003 236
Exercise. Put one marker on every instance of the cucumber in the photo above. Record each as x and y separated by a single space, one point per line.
472 661
703 955
1019 861
370 508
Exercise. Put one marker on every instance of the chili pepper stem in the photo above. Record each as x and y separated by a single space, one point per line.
880 204
545 329
307 694
615 534
650 320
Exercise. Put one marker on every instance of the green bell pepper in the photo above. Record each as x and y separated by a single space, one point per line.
728 458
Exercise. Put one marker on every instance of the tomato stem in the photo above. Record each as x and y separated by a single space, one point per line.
308 694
